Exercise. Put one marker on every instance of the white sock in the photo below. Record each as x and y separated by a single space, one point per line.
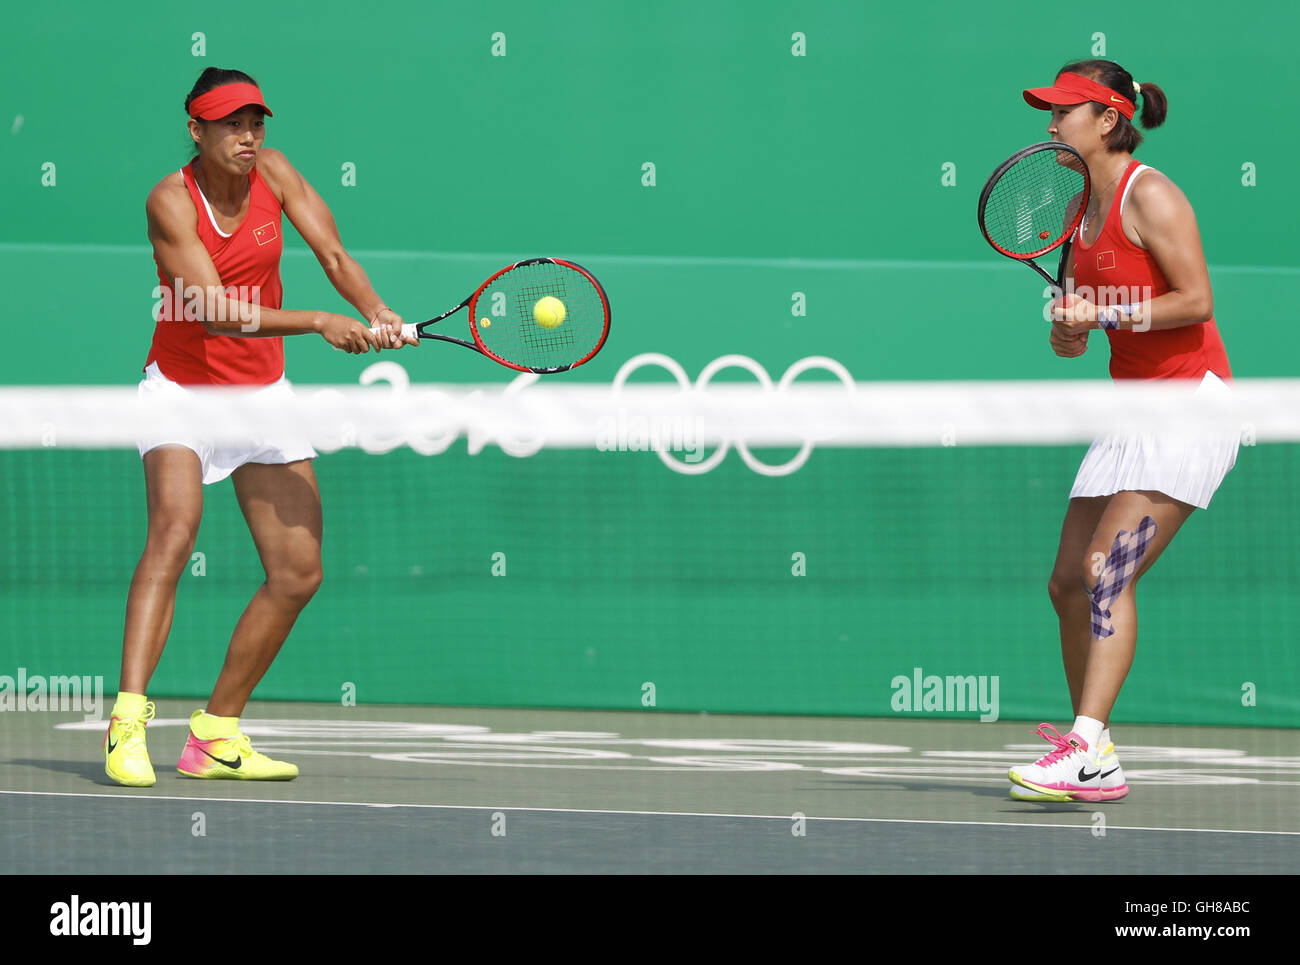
1090 730
1103 740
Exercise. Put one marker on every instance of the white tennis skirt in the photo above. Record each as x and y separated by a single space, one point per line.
219 461
1190 468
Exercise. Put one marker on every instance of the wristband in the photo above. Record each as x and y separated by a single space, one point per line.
1109 318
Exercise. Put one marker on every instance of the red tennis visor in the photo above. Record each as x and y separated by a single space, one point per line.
1077 89
226 99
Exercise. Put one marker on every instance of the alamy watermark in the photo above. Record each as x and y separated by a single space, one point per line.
25 692
622 432
210 303
1127 299
932 694
75 917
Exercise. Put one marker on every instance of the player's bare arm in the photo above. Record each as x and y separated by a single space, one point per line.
311 216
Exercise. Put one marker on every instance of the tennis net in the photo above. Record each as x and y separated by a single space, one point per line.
767 547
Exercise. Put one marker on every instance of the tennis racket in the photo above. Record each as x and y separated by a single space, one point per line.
1033 203
504 317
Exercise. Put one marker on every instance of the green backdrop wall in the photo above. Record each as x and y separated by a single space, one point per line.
822 173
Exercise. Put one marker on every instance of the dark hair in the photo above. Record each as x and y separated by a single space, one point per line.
1155 106
213 77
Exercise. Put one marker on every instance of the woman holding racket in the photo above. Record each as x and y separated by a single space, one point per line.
215 227
1137 258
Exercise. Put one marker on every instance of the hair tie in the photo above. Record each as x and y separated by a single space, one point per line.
1137 89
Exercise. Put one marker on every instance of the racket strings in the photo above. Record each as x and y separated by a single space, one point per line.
517 337
529 331
1026 211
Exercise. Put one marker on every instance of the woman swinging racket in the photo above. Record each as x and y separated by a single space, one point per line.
215 227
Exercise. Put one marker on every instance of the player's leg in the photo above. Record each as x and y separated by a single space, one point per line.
1132 534
281 504
174 501
1073 608
1069 595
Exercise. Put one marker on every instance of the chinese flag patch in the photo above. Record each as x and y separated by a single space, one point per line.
1105 259
267 233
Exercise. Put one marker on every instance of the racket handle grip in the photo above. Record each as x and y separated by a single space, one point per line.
408 331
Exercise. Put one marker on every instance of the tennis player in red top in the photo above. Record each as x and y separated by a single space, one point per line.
1139 275
216 230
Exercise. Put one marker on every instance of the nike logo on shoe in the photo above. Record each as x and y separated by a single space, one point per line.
1084 776
111 747
1110 772
233 765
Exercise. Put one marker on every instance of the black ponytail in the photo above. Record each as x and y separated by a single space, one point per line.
1155 106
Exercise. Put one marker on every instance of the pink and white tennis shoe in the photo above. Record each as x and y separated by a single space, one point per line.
1068 772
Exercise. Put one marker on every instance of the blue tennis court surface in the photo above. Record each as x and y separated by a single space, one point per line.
424 790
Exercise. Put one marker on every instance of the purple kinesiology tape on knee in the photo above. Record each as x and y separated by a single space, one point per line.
1125 555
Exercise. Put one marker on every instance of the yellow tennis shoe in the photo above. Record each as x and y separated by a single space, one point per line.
126 759
218 750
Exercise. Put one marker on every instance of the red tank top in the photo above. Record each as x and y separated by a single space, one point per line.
249 261
1118 272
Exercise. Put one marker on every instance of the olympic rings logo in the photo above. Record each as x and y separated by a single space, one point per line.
439 415
674 368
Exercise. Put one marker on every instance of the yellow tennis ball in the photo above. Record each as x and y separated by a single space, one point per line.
485 322
549 312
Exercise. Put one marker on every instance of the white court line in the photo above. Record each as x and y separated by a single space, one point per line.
703 261
668 814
